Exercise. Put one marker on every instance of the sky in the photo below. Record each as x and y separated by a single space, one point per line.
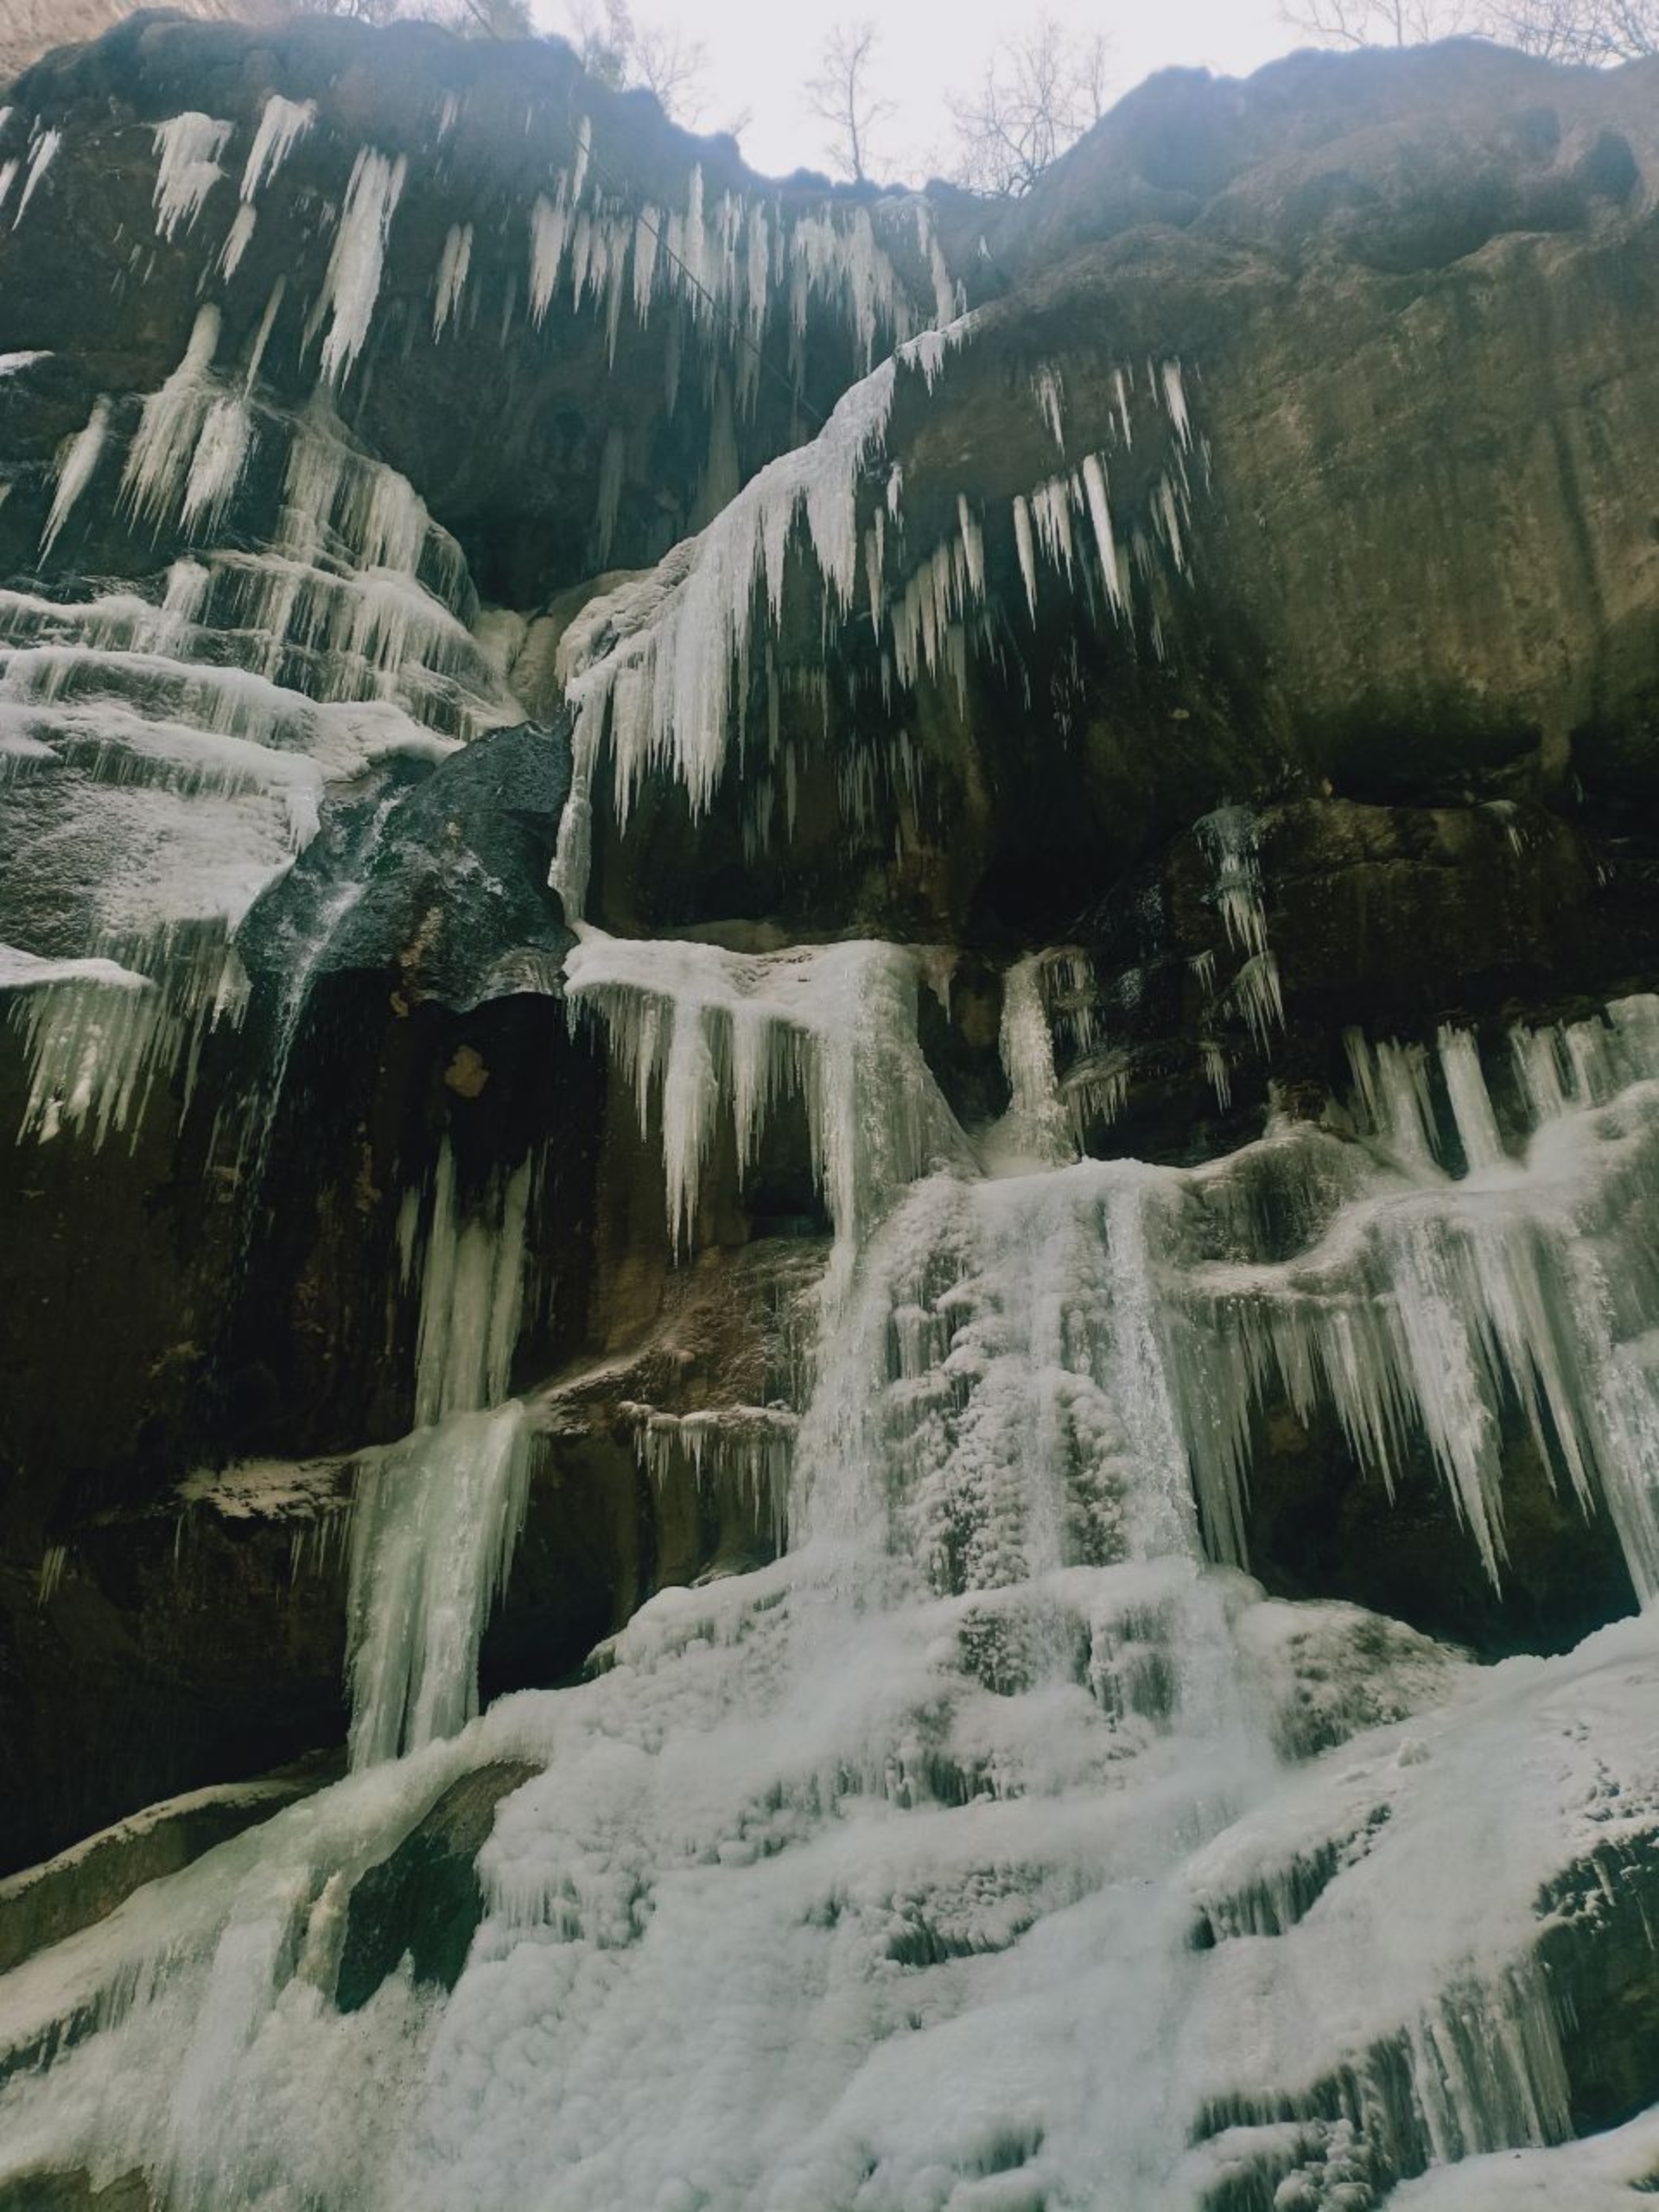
761 50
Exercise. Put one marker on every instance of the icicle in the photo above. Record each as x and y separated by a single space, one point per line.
76 464
1027 551
472 1294
188 147
452 275
237 240
1175 403
611 466
217 468
1471 1104
282 124
1034 1132
159 458
45 148
350 285
1049 389
1100 514
435 1520
549 224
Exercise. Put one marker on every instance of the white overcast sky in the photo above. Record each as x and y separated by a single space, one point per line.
760 51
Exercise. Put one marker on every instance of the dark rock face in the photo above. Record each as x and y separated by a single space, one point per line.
428 1889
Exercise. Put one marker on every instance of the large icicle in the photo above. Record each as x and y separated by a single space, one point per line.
434 1522
188 148
350 285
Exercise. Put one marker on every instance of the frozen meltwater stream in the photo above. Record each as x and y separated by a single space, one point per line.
958 1859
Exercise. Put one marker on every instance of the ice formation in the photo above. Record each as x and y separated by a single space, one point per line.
282 124
659 672
917 1822
42 153
472 1265
706 1039
435 1521
188 148
351 282
197 722
1007 1848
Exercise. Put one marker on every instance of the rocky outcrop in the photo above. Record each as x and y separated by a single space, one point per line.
574 728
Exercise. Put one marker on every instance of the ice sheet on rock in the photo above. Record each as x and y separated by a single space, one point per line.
434 1522
740 1454
99 1035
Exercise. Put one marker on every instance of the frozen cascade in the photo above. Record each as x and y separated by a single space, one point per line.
1035 1132
915 1822
472 1288
435 1521
206 714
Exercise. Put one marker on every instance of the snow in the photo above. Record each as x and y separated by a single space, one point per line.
27 971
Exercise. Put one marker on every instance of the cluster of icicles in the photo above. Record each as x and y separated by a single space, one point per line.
730 264
660 672
194 737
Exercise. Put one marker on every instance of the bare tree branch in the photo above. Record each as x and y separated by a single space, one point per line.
840 95
1597 32
1040 91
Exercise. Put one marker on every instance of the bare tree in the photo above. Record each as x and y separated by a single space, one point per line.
673 66
1376 23
1041 91
1597 32
841 95
1591 31
478 18
620 51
